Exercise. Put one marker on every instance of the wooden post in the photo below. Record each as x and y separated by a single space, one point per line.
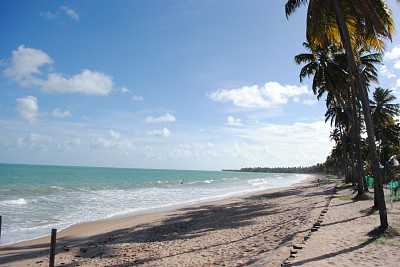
53 247
0 228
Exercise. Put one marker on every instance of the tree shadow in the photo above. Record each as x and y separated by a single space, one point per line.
184 224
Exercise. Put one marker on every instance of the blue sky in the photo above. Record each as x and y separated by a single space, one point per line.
161 84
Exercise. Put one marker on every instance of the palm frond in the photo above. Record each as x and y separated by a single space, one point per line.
292 5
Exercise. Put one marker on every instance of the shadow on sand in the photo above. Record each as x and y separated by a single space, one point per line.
186 223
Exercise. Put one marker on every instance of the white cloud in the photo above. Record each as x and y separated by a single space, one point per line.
66 146
26 61
57 113
287 145
193 151
114 135
397 64
164 118
113 141
70 12
35 141
298 133
137 98
387 73
48 15
310 101
234 122
88 82
243 150
76 141
125 90
159 133
28 108
394 54
34 137
272 93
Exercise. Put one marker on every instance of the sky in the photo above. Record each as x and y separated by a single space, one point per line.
171 84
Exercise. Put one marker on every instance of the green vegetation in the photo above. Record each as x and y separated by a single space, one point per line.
345 186
384 241
345 197
313 169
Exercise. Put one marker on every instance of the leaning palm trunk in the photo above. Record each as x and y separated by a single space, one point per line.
379 195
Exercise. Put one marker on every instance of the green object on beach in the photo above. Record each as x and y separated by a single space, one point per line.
370 182
394 188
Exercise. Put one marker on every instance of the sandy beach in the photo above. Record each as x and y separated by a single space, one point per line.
268 228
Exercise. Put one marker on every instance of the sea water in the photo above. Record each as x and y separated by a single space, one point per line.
34 198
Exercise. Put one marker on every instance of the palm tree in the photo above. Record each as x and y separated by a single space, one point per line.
383 115
332 21
328 66
328 75
383 111
374 16
340 133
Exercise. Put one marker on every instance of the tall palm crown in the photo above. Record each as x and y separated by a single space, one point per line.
327 75
383 109
384 112
368 21
328 66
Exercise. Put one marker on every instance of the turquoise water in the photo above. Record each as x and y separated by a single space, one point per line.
34 199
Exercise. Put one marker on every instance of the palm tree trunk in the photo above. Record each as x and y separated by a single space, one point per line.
383 156
361 180
367 115
343 153
356 133
364 181
342 137
353 159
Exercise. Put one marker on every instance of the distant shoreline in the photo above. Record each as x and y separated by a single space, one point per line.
316 169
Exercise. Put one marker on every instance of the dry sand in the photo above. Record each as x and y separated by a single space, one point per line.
261 229
343 238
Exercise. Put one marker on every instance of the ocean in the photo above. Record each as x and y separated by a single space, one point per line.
35 198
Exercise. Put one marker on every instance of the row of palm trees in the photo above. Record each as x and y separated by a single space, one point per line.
345 39
387 133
